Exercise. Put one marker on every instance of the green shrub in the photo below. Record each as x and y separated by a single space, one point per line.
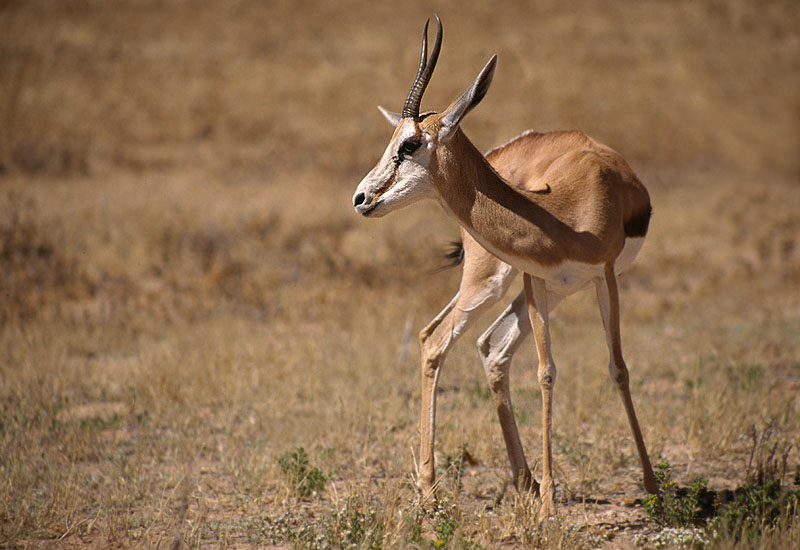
744 515
674 506
357 525
305 480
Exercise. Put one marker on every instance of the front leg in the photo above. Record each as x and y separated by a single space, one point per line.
496 348
485 279
434 344
435 341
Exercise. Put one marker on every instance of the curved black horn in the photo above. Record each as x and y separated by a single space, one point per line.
423 60
426 66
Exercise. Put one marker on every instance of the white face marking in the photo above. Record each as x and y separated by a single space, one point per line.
398 179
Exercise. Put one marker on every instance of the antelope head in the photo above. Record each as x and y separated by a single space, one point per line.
408 170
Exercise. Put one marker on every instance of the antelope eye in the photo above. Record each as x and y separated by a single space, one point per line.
409 146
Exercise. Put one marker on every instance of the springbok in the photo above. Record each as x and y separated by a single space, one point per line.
561 207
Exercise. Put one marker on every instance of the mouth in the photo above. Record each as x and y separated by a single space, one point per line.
365 210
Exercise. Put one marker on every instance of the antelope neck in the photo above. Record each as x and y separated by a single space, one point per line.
499 216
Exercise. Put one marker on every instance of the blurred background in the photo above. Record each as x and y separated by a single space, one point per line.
208 102
177 237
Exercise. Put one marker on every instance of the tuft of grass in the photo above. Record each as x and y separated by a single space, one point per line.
445 520
756 511
454 464
306 480
769 455
674 537
762 506
364 523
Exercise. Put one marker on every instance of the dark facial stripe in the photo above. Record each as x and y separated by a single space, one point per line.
388 185
397 160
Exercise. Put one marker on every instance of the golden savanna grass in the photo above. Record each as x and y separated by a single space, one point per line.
187 294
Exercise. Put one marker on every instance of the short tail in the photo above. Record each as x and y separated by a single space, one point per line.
453 257
637 225
456 254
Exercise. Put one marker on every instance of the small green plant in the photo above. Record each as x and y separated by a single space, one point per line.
358 525
305 479
674 537
414 515
444 523
674 506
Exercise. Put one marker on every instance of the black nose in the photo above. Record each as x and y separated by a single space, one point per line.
358 199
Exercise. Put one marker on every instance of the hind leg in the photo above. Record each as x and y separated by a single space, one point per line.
608 299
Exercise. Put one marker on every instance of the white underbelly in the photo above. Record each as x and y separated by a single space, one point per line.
569 276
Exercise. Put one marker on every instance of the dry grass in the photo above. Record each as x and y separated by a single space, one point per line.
187 295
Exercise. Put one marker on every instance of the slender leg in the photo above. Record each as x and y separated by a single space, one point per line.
484 281
536 294
608 298
435 341
496 348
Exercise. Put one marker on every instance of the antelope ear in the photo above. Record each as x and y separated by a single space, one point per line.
393 118
469 99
